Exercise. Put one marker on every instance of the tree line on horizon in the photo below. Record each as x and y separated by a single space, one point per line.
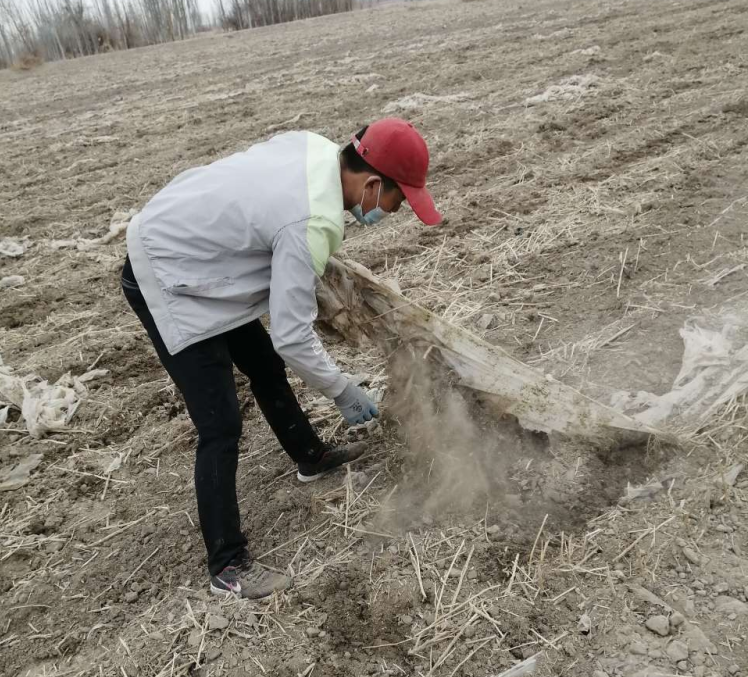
34 31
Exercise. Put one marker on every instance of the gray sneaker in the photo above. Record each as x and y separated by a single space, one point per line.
248 580
331 459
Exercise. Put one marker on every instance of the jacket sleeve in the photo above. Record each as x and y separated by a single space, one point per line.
299 258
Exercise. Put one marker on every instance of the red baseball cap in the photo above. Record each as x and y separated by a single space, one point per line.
394 147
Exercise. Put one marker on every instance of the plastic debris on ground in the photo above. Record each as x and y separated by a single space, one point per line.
13 247
44 407
714 372
19 474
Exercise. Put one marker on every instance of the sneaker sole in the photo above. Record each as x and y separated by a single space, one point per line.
222 592
324 473
314 478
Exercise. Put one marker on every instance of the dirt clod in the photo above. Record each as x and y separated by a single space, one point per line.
729 605
194 639
692 556
676 619
659 625
677 651
217 622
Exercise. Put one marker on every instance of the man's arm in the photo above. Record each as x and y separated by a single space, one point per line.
293 307
300 253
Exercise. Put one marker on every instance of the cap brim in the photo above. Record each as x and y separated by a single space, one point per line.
422 204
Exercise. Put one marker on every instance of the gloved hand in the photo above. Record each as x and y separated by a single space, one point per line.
355 405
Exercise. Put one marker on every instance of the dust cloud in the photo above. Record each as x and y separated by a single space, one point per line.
458 456
462 457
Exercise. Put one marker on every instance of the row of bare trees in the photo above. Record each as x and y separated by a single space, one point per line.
46 30
239 14
64 29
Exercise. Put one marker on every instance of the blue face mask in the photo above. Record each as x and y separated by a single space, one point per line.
373 216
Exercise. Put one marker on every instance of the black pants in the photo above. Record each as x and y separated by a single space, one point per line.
204 374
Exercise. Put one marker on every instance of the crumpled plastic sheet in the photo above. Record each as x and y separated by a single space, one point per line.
11 281
572 88
18 475
44 407
358 304
713 372
13 247
117 228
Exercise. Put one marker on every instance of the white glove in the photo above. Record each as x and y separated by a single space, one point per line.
355 405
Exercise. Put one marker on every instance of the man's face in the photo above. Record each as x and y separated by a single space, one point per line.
389 200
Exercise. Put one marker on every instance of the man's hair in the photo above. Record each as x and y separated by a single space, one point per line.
353 162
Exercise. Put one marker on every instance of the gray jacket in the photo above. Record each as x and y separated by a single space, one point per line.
222 244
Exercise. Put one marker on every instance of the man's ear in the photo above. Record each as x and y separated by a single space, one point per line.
370 186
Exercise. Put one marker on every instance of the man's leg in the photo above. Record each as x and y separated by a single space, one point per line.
252 352
204 375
